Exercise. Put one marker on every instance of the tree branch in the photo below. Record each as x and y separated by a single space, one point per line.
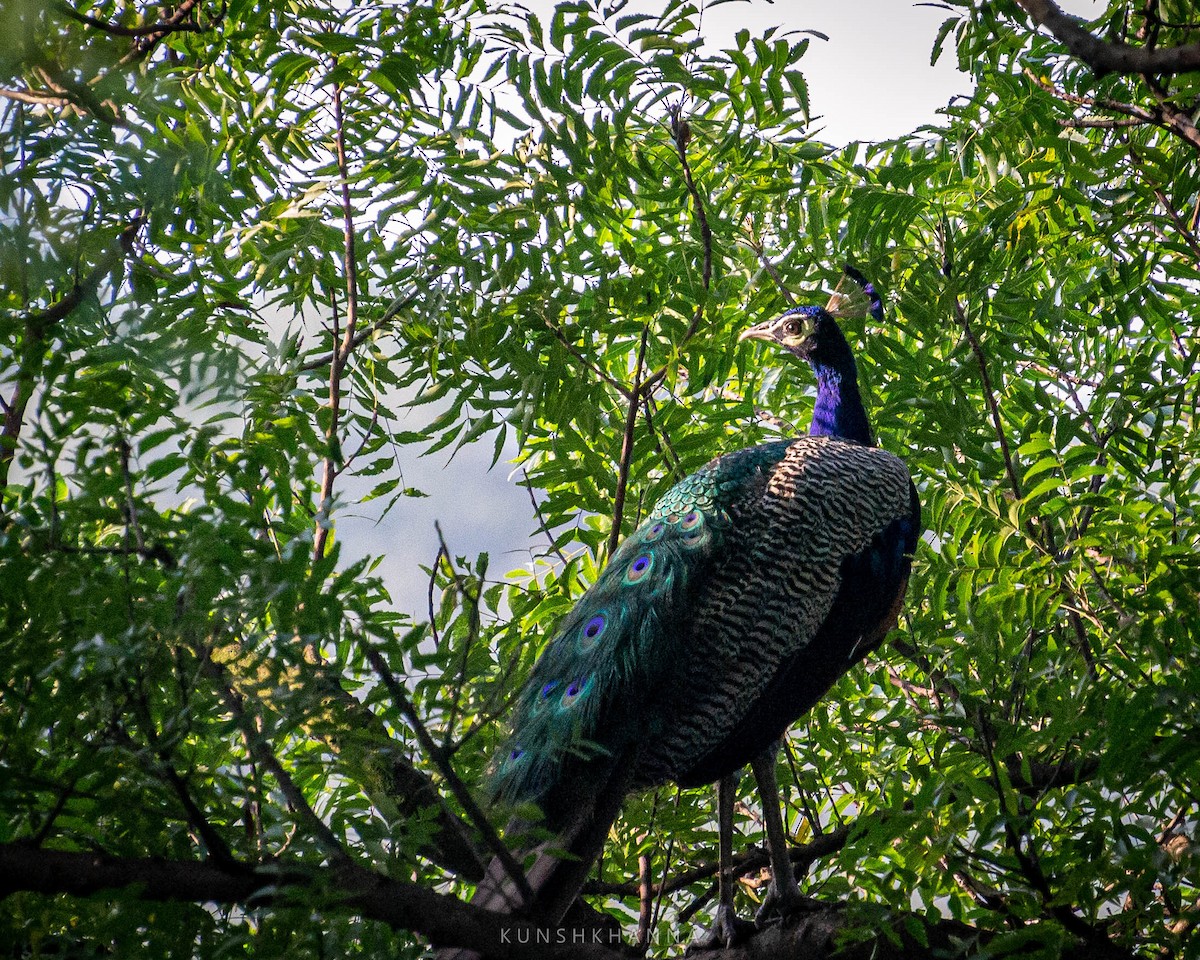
537 509
574 351
614 535
406 906
448 921
317 828
341 353
175 24
453 780
36 98
1105 56
802 856
363 335
681 134
1165 115
989 395
37 328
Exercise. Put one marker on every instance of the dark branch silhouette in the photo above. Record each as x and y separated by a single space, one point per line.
1107 56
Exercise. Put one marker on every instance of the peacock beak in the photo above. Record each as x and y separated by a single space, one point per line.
760 331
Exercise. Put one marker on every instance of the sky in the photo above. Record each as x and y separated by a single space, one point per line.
871 80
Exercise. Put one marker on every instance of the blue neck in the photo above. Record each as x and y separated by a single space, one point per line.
839 410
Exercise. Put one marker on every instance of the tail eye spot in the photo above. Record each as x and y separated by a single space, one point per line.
574 691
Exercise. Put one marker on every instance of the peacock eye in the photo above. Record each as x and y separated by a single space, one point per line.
791 328
594 626
574 691
639 568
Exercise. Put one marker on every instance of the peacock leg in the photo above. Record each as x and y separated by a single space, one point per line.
783 896
728 929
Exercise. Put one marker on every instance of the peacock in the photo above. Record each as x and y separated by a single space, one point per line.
749 589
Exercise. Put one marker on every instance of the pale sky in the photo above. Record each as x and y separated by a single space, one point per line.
870 81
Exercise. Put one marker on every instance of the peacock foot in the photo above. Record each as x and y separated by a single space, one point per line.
778 906
728 930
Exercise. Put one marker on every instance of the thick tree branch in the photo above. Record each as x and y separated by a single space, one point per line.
407 906
1105 56
446 921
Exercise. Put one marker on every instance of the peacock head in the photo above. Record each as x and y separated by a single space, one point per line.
812 333
800 331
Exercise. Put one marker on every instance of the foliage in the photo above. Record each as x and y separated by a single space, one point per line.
239 245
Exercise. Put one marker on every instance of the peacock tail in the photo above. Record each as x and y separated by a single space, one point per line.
732 575
589 693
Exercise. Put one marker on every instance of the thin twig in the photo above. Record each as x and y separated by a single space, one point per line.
1165 115
476 815
363 335
1027 859
756 245
574 351
989 395
1180 224
497 704
803 855
681 134
35 97
37 327
437 639
537 508
262 752
173 25
627 439
60 804
473 624
215 844
341 353
670 852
